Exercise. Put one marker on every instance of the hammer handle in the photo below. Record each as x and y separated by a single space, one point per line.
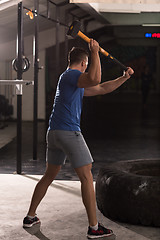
104 52
84 37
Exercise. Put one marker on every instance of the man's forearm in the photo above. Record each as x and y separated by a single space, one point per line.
112 85
98 72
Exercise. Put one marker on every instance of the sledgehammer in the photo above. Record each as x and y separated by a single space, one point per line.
74 30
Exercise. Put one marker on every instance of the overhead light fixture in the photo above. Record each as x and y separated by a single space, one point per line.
151 24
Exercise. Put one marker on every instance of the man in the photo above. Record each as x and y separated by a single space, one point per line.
64 137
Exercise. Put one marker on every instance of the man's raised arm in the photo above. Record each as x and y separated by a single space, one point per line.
108 86
93 76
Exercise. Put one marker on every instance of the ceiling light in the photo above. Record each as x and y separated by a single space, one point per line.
151 24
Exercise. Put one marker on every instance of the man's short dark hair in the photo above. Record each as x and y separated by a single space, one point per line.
76 55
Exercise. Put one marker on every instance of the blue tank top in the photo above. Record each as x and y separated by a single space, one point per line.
67 107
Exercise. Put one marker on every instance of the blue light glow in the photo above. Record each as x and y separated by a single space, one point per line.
148 35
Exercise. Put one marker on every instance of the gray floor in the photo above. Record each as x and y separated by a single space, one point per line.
126 133
61 212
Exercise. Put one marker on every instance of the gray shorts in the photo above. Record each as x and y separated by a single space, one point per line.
67 144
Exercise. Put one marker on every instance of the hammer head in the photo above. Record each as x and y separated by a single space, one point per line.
74 29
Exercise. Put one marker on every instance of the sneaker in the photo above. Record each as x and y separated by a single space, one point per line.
28 222
99 233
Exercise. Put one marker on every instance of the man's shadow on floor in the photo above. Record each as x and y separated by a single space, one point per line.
35 230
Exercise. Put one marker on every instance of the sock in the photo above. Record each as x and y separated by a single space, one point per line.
95 227
31 217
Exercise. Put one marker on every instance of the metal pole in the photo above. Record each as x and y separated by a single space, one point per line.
19 96
66 39
36 70
48 10
57 44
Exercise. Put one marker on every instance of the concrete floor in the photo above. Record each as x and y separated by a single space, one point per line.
129 134
62 213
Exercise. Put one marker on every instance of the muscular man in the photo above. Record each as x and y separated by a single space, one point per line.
64 137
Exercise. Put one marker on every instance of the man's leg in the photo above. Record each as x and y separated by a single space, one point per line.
42 186
88 194
95 230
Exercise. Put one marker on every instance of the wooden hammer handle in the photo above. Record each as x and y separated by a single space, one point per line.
104 52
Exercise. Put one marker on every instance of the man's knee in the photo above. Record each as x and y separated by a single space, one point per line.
84 173
51 172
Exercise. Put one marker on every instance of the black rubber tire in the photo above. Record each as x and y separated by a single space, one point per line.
129 191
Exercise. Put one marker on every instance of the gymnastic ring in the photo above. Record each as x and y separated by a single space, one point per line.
25 63
129 191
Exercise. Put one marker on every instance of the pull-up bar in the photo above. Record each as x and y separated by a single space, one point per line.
32 13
